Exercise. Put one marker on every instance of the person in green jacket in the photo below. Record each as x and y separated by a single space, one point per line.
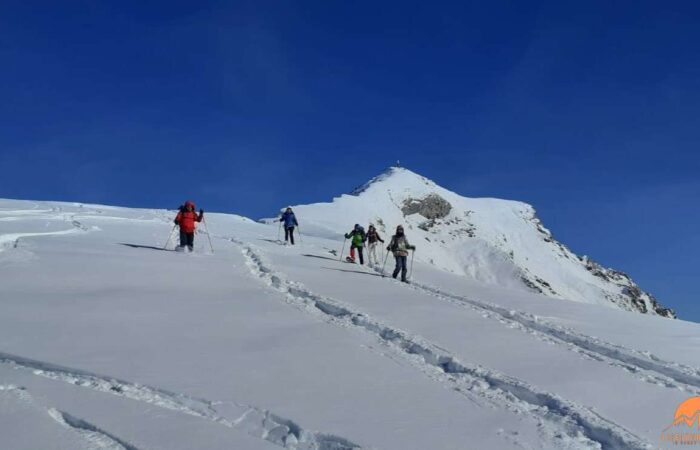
358 238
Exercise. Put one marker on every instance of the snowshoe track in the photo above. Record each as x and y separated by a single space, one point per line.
644 366
555 416
94 435
255 421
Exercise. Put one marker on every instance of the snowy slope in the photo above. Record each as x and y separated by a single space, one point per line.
497 242
108 341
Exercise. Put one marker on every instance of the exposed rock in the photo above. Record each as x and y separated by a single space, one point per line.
431 207
531 285
427 225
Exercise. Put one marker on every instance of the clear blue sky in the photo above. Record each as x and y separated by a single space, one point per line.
590 111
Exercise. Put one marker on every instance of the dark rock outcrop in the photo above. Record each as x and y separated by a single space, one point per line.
431 207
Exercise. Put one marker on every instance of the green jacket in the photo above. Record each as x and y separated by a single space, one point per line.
358 237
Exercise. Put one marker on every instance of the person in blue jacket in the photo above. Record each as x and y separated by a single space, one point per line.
289 221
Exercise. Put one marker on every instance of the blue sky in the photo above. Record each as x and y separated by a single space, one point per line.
587 110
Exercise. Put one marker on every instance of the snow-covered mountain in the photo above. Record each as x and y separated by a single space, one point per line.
111 340
497 242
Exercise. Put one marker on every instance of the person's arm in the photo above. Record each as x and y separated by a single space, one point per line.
380 238
201 215
177 218
408 245
296 223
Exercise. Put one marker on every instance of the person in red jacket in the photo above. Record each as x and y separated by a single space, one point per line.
186 219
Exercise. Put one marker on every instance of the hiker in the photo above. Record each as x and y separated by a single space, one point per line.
358 241
399 246
373 240
290 221
186 219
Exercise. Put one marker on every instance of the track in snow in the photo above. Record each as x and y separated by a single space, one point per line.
645 367
95 438
256 422
565 423
98 438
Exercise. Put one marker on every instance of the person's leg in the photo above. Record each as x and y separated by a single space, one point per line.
397 269
190 241
183 238
291 235
404 268
352 251
372 254
362 259
286 234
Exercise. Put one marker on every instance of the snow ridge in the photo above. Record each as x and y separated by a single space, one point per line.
568 424
257 422
492 241
382 176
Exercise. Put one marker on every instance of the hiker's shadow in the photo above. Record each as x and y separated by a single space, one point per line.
354 271
149 247
274 241
320 257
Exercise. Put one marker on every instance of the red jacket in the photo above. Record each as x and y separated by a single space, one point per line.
186 219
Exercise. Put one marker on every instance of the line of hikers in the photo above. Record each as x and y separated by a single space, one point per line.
398 245
187 217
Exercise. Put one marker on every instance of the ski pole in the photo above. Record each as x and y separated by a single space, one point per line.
384 265
301 241
170 236
410 272
279 230
204 221
343 250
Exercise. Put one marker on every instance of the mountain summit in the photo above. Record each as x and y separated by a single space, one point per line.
496 242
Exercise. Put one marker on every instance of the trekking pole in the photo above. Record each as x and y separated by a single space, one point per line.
279 230
204 221
410 272
343 250
169 237
301 241
384 265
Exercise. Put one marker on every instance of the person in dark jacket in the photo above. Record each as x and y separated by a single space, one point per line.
358 238
186 219
399 246
373 240
289 222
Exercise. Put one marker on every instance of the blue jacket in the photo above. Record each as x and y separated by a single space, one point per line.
289 220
